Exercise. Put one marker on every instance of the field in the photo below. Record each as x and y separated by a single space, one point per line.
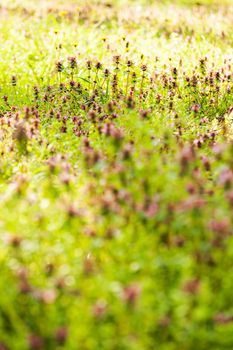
116 174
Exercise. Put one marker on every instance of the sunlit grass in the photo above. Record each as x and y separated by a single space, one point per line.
116 175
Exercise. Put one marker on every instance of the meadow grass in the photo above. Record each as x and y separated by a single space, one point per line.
116 175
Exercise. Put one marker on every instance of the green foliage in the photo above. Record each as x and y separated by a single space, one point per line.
116 175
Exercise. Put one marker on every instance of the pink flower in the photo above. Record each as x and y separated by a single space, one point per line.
195 107
99 309
229 197
221 318
35 342
131 293
192 286
61 335
220 227
226 177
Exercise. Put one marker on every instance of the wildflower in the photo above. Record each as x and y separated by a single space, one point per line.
116 59
61 335
49 268
220 227
178 241
21 137
5 98
129 63
72 62
72 83
151 209
15 241
99 309
144 113
130 102
60 283
187 155
144 67
229 197
89 64
131 293
127 150
72 211
191 188
165 321
48 296
3 346
88 265
13 80
36 91
98 65
174 72
222 318
195 107
206 163
35 342
193 202
192 286
226 177
106 73
59 66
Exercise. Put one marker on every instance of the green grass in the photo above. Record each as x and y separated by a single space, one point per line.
116 175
